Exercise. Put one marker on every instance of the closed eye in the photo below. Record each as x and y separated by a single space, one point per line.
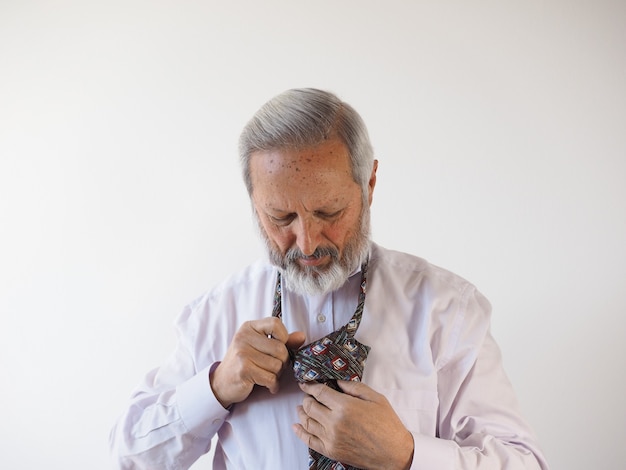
330 216
282 221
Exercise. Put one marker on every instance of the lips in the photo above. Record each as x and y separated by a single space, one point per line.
313 260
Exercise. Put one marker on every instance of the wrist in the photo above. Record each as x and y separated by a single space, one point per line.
405 459
215 387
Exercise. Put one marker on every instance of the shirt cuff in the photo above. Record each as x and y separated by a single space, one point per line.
200 411
431 453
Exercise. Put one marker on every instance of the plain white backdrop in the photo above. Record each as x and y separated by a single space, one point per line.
501 133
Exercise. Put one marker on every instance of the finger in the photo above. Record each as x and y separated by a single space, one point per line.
303 432
309 440
322 393
261 369
233 380
270 347
270 358
266 378
270 326
255 359
310 424
316 410
256 335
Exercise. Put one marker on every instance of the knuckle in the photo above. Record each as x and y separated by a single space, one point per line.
270 379
307 404
240 334
320 393
274 323
276 365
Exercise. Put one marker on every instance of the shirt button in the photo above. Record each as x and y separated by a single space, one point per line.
321 318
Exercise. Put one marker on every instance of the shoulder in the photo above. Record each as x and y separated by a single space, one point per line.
449 310
426 289
406 269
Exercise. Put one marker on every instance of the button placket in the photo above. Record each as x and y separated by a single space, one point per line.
319 316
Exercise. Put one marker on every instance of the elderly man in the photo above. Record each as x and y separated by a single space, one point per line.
335 352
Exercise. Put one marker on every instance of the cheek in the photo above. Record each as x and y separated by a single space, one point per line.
282 239
339 234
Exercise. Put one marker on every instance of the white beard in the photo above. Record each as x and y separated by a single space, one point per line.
311 280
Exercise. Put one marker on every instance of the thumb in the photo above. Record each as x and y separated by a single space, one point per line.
357 389
295 340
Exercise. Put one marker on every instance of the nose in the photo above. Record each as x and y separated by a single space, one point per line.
308 234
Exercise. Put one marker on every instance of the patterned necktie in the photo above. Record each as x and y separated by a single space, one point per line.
337 356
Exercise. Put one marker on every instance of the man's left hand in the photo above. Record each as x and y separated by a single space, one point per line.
358 427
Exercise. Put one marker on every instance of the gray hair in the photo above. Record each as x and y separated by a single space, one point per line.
307 117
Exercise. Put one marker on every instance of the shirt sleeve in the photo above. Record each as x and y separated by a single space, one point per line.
172 416
480 425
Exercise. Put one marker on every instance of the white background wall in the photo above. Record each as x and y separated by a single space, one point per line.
501 133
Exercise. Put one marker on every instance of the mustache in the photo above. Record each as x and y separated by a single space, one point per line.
294 254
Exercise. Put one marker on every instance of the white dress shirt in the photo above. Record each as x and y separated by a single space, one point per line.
432 356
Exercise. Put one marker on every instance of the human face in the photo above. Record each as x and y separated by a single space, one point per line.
311 214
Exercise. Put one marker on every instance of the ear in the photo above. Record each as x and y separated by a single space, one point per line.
372 182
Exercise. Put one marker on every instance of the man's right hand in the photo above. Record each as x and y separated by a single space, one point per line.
257 356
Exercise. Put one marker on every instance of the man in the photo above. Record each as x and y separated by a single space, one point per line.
423 385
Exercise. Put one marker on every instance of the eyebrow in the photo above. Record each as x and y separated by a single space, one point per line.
324 210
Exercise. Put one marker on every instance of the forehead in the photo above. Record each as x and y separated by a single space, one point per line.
313 173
